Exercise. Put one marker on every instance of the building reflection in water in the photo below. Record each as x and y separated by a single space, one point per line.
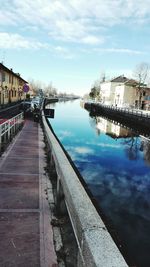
130 139
114 130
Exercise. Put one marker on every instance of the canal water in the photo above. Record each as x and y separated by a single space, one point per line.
115 164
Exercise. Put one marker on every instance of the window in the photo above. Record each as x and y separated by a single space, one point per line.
3 76
144 93
6 94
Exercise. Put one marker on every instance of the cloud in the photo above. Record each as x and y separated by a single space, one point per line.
6 18
16 41
103 144
119 50
109 145
89 39
79 153
74 31
76 21
63 52
63 134
83 150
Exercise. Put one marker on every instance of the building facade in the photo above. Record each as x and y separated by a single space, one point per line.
108 89
124 92
11 86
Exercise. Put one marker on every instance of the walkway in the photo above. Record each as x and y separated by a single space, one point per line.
26 237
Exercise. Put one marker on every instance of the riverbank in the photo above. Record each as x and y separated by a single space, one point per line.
133 118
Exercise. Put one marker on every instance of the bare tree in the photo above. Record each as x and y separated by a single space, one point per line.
35 85
102 77
142 75
50 90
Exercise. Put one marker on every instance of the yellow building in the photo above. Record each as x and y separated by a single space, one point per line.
11 86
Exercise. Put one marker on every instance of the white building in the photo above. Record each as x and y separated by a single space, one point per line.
112 129
108 89
124 92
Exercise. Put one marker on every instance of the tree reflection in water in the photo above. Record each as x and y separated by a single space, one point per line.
132 147
135 145
146 150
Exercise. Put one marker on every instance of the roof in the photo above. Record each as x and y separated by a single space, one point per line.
120 79
11 72
131 82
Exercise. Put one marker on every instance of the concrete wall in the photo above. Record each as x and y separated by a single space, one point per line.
96 248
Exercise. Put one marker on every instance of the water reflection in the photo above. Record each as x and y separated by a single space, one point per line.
145 147
133 144
112 129
115 165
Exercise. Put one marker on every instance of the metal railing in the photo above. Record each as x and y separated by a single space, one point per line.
9 105
9 128
136 112
95 245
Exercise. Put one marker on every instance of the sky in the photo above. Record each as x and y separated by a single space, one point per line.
70 43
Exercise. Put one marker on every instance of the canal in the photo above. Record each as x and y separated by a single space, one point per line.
115 164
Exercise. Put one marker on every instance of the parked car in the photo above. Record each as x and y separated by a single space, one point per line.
35 101
25 107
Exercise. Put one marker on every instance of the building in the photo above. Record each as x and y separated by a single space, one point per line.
124 92
108 89
114 130
11 86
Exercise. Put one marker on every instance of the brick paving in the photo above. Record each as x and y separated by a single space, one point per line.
26 237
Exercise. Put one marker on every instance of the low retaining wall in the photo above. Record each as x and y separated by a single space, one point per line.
136 119
96 247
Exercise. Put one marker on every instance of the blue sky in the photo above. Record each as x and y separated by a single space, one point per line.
71 42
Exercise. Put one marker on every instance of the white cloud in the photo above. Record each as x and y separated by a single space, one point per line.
64 134
16 41
109 145
74 31
6 18
30 28
89 39
79 153
83 150
63 52
104 144
75 21
119 50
